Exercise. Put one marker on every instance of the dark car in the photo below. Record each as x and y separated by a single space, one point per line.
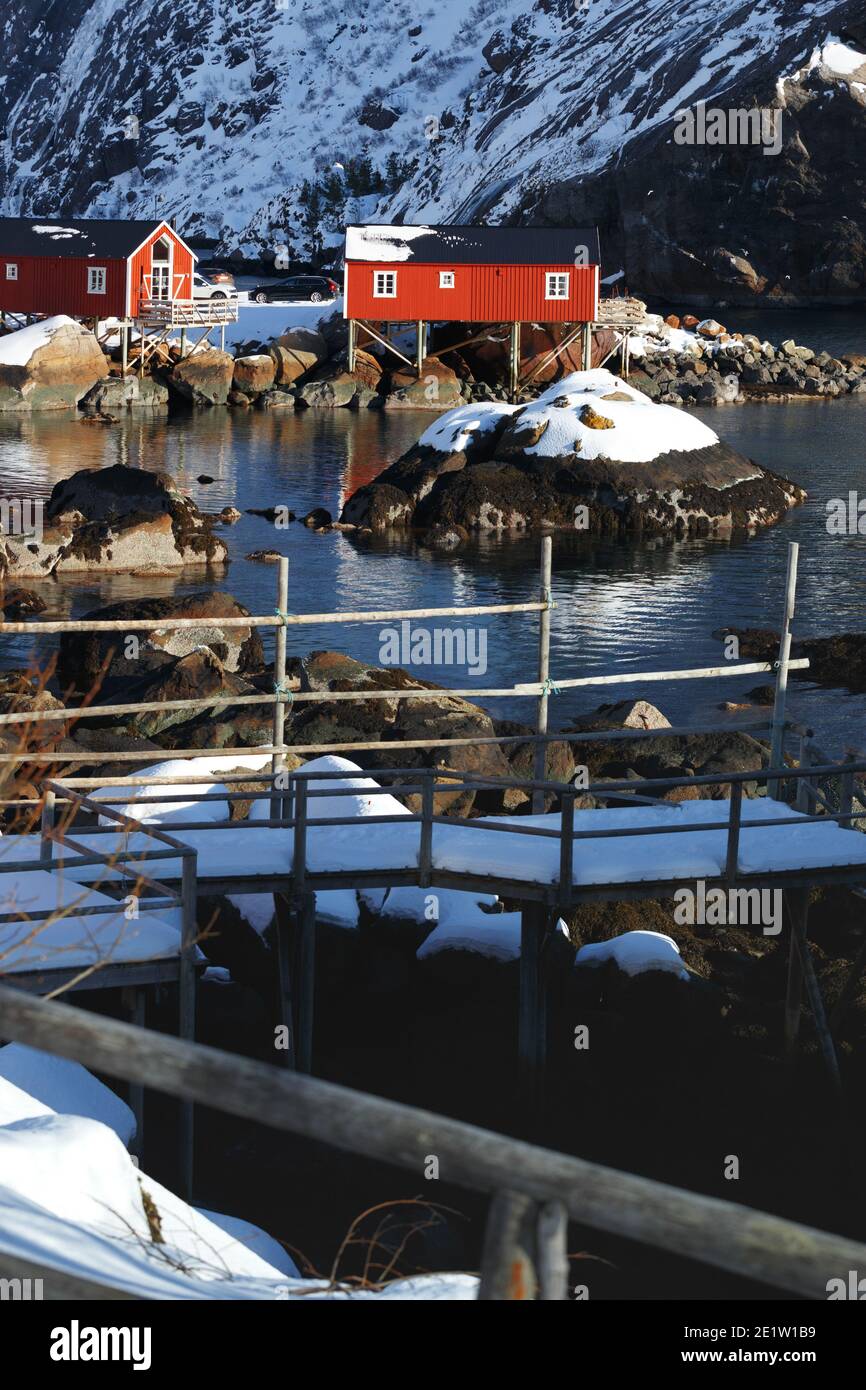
313 288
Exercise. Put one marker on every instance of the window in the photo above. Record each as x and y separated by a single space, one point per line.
446 279
11 271
384 284
556 285
96 279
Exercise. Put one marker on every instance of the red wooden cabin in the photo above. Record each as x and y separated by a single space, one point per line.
90 268
402 274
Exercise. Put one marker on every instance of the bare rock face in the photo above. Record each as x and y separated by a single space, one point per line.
84 659
204 378
254 374
290 363
111 520
437 388
49 366
113 396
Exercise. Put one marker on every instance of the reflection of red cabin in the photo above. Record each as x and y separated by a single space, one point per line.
401 274
87 268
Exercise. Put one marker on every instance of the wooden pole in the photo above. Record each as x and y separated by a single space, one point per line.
135 1000
552 1260
183 343
532 1012
278 760
778 736
284 976
124 347
187 1001
306 975
587 346
352 344
508 1258
543 668
514 362
419 347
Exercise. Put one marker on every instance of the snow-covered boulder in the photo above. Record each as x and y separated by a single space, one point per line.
635 953
50 365
592 454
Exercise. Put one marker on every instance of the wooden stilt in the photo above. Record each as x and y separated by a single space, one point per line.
182 343
186 1021
586 338
135 1002
543 671
514 361
798 911
222 337
306 978
532 1011
508 1260
124 348
278 761
552 1258
777 746
794 994
284 977
419 347
353 335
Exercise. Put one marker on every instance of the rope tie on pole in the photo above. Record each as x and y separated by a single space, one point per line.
549 688
283 693
283 617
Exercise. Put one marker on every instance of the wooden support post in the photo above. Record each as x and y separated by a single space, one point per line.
552 1258
419 347
353 337
142 340
306 977
799 913
46 847
777 746
222 337
793 994
135 1002
278 760
586 340
186 992
283 941
508 1259
532 1011
543 670
124 347
514 361
182 343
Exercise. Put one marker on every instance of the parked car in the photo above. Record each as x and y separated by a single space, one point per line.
314 288
204 288
217 274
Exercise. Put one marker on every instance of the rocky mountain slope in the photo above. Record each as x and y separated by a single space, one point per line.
268 124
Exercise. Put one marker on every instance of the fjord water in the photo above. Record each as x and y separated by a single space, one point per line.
621 607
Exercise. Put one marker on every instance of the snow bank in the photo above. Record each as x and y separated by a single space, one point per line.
17 348
636 952
189 806
35 1083
336 807
452 431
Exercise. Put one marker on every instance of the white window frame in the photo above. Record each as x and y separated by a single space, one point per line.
381 279
446 280
11 270
96 278
552 288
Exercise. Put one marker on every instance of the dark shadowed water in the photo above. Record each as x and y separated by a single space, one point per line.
620 607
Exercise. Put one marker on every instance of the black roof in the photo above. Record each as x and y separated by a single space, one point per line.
459 245
113 239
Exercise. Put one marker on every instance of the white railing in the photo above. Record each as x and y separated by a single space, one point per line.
187 313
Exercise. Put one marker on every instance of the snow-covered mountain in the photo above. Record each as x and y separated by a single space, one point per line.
272 122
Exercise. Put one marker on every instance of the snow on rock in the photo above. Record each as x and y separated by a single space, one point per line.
17 348
453 431
337 806
35 1083
636 952
188 806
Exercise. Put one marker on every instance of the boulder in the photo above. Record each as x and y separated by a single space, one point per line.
254 374
115 519
85 659
647 469
50 365
112 396
192 677
204 378
290 363
437 388
308 340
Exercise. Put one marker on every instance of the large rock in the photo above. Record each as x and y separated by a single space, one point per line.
85 659
192 677
254 374
49 366
204 378
114 519
112 396
437 388
491 467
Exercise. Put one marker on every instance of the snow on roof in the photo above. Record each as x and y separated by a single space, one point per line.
641 429
472 245
635 952
17 348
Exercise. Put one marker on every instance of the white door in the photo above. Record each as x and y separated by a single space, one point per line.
161 280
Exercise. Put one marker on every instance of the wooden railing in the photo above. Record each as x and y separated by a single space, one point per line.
187 313
536 1191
